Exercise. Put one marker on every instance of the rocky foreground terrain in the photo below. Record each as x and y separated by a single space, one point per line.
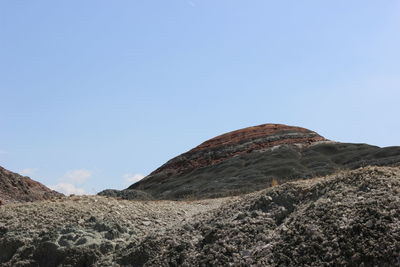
17 188
351 218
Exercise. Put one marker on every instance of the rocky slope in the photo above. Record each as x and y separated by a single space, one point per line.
17 188
348 219
87 230
254 158
351 218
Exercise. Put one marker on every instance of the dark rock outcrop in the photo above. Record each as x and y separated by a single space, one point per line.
17 188
255 158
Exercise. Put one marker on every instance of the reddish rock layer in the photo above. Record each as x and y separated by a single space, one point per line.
17 188
254 132
238 142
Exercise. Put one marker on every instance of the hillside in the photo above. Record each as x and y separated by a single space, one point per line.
252 159
17 188
351 218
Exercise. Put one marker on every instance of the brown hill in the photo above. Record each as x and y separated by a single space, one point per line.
17 188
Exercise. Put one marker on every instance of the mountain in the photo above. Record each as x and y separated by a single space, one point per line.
17 188
255 158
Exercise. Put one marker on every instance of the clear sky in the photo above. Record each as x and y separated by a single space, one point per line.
95 93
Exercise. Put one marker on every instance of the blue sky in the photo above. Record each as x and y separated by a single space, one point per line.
96 93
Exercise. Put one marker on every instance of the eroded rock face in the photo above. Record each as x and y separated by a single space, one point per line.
17 188
255 158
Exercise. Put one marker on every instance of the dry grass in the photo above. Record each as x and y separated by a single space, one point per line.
274 182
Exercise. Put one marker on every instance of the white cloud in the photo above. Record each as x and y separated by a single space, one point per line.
133 178
77 176
3 151
27 171
70 180
68 189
